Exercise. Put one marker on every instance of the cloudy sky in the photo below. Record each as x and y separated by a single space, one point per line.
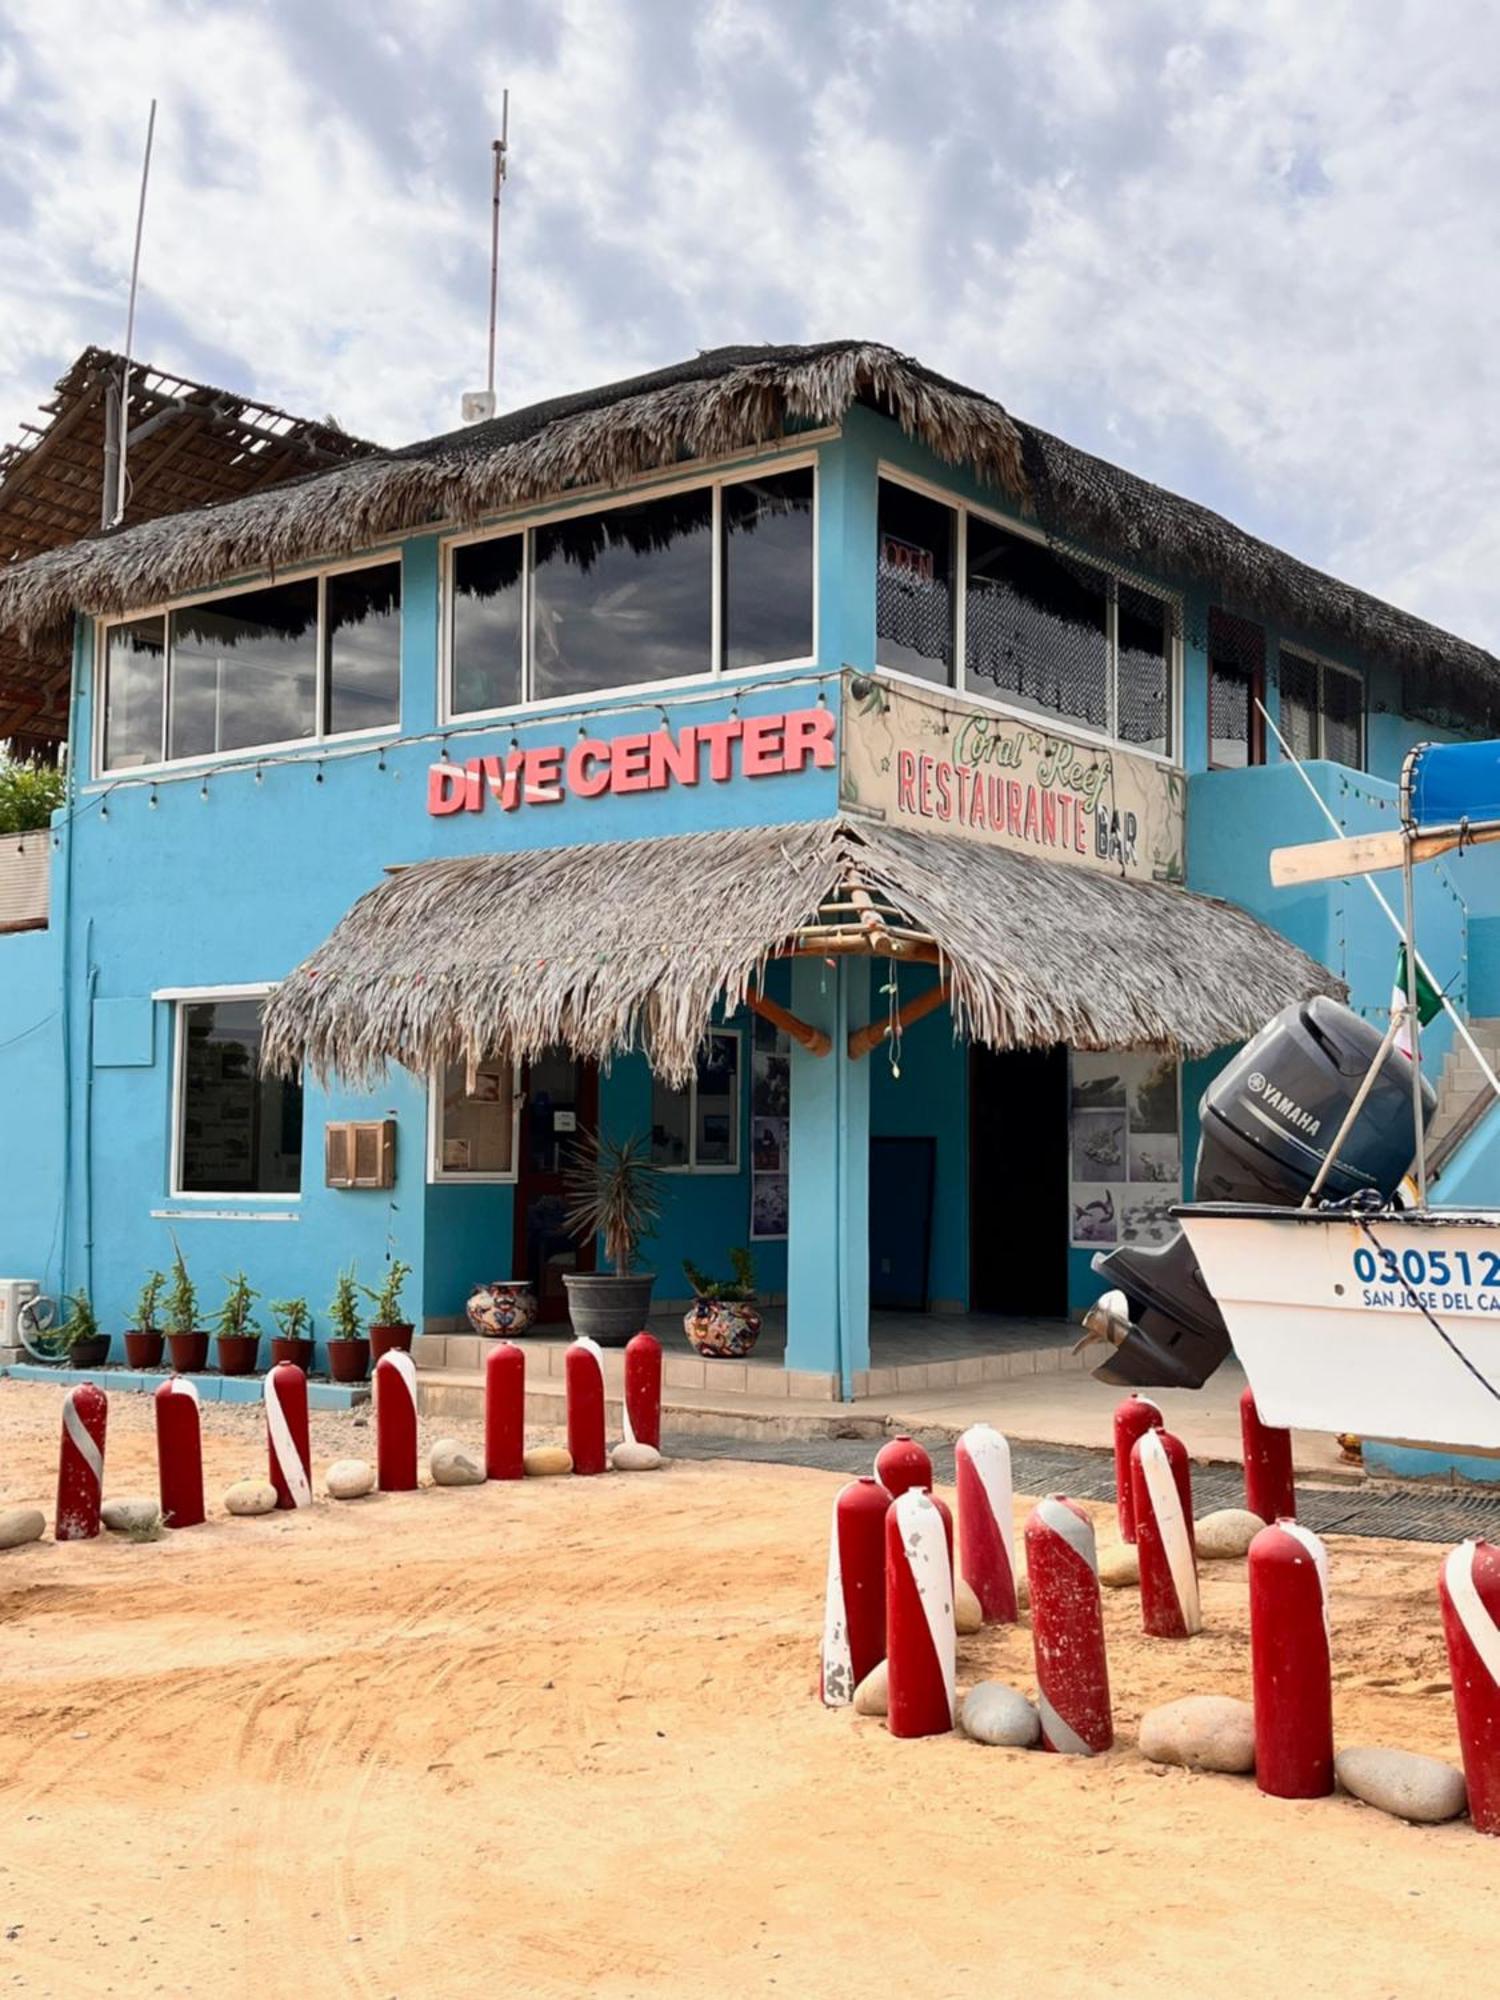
1248 250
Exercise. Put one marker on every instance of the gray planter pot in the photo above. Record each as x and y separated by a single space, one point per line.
607 1308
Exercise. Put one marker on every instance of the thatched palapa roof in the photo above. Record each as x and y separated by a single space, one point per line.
633 944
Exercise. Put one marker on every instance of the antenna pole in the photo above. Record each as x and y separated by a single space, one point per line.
135 273
500 148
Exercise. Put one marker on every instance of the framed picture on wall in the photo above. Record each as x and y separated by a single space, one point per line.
770 1131
1125 1147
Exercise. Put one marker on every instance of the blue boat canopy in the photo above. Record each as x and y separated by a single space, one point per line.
1444 784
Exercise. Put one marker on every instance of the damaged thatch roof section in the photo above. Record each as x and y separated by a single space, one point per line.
634 944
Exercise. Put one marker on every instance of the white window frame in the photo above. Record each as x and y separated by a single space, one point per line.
526 525
179 998
691 1164
251 753
440 1176
1326 666
1038 718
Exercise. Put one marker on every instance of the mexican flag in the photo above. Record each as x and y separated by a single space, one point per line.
1429 1002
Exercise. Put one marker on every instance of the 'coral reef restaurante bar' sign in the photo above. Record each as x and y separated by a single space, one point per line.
750 746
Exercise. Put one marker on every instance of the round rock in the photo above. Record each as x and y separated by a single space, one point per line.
1202 1732
1119 1566
1226 1535
1423 1789
636 1457
544 1460
19 1525
250 1496
872 1696
349 1479
131 1516
968 1614
995 1713
453 1464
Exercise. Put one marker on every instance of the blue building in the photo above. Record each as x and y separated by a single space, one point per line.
789 759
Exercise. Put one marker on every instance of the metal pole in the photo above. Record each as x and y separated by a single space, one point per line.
1415 1028
135 272
498 183
1367 1084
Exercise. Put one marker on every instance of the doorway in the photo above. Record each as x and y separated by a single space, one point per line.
1018 1182
560 1100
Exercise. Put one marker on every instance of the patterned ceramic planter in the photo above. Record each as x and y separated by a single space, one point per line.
503 1307
722 1329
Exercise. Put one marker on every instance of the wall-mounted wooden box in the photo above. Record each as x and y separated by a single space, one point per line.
360 1153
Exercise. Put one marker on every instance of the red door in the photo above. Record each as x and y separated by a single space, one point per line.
561 1099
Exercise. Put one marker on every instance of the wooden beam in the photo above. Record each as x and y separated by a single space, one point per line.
862 1040
802 1032
912 946
1368 853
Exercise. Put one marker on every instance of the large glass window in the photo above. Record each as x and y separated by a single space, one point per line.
487 624
244 671
917 542
473 1124
699 1127
238 1132
1322 710
1036 627
1236 682
623 596
362 642
768 569
135 692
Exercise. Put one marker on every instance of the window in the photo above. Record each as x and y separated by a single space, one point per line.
917 540
1144 639
487 623
1236 681
768 569
698 1129
471 1124
1036 627
281 663
1322 710
237 1132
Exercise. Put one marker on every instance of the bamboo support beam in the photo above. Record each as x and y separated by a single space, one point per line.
862 1040
814 1040
912 945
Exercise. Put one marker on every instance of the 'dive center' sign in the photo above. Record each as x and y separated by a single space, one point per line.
751 746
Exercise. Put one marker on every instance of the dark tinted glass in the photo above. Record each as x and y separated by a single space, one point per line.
1299 704
363 613
1344 718
1236 675
914 584
1144 632
134 669
245 670
487 624
623 596
768 569
1036 632
241 1132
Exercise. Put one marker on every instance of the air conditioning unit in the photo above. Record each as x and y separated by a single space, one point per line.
14 1293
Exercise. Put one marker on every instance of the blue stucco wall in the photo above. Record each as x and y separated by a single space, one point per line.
928 1098
31 1093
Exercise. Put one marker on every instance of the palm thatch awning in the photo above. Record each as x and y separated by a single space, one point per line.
633 944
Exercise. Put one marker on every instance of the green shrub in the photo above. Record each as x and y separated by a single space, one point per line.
29 795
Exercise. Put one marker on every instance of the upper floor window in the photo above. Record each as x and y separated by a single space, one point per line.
1034 627
276 664
1322 710
716 578
1236 683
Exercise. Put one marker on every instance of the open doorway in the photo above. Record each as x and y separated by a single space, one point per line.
561 1099
1018 1182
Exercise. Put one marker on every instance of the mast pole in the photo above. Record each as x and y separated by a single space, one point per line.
1414 1021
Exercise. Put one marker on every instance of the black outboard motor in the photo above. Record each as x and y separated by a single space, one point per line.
1266 1125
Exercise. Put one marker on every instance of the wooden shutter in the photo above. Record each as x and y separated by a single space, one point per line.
360 1153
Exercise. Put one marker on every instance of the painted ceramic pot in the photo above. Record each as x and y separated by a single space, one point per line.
722 1329
502 1308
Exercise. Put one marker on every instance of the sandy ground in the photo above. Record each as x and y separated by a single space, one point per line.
561 1739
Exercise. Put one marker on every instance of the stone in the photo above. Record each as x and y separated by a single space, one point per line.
872 1696
349 1479
1201 1732
19 1525
544 1460
453 1464
968 1615
993 1713
1422 1789
628 1457
250 1496
1023 1593
1226 1535
130 1517
1119 1566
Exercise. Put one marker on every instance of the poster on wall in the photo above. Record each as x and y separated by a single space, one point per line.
770 1131
1125 1148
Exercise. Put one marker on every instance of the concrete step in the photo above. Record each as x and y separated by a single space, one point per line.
459 1394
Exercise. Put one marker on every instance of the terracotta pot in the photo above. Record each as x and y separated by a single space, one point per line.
502 1308
238 1353
189 1352
722 1329
144 1350
383 1339
89 1353
348 1360
298 1352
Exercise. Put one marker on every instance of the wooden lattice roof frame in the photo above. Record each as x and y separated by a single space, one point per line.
192 445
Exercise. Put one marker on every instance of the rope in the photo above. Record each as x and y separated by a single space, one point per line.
1413 1299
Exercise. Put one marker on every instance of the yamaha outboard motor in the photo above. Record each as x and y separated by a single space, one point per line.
1266 1125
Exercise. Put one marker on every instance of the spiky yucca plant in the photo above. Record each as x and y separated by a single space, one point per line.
612 1192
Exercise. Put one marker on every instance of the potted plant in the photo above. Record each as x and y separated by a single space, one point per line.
143 1342
348 1350
239 1336
86 1346
723 1322
611 1190
187 1342
292 1340
387 1328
